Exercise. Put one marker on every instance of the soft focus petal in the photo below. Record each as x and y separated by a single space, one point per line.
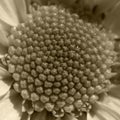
111 10
115 91
5 82
113 19
21 9
90 3
107 109
105 5
12 11
8 12
28 2
3 42
5 27
89 117
10 107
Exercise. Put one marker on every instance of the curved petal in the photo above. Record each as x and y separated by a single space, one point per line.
10 107
5 82
107 109
12 11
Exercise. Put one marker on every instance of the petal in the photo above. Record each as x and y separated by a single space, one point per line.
10 107
113 18
8 12
3 42
5 82
107 109
115 91
91 3
89 117
111 10
12 11
3 39
28 2
105 6
5 27
21 9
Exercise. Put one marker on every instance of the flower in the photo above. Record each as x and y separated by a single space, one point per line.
55 63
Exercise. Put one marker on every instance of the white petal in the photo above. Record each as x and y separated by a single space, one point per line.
12 11
10 107
8 12
1 56
21 9
3 39
5 27
5 82
108 109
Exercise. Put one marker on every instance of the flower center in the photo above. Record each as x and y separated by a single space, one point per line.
58 61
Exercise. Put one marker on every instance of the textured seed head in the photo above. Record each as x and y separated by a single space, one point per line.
58 61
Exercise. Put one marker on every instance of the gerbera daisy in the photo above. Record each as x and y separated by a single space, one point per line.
55 63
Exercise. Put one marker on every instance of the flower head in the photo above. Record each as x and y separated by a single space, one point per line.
59 63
